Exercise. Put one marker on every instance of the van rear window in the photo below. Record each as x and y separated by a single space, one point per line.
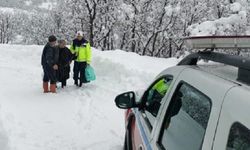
239 137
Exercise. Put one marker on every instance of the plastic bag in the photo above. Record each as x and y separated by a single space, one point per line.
90 73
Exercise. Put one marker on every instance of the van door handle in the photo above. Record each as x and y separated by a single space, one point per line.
141 147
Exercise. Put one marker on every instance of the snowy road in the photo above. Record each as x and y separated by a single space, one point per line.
75 118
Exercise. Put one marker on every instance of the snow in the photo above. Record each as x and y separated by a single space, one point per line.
219 26
222 25
7 10
206 28
171 9
75 118
127 9
47 5
136 62
236 7
28 3
18 39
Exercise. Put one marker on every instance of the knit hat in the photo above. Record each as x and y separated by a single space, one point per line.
52 38
79 33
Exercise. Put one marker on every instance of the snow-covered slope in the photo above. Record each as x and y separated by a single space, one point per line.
225 25
75 118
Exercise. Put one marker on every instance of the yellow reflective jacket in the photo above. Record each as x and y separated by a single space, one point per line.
82 50
161 87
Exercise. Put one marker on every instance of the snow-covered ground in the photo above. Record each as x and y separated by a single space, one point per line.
75 118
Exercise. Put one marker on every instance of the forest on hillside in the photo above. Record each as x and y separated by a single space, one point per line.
147 27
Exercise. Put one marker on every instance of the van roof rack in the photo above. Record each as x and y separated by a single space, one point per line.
242 63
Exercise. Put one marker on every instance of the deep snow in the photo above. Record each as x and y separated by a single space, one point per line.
75 118
223 25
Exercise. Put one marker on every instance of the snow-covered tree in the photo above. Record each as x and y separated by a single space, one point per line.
147 27
7 22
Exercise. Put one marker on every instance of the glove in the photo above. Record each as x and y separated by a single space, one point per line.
84 44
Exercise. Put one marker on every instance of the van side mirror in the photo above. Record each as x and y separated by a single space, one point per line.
125 100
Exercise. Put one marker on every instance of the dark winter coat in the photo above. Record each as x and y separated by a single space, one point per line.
50 56
65 57
77 43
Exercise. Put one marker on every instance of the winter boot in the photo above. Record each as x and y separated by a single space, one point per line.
53 88
45 87
64 83
80 85
76 82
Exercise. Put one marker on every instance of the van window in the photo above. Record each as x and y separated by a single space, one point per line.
239 137
153 98
186 119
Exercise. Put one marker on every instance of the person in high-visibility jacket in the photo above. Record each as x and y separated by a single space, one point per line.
155 95
159 90
81 48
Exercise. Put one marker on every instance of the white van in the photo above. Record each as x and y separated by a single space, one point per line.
194 106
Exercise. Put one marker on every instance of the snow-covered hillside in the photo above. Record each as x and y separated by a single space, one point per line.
225 25
75 118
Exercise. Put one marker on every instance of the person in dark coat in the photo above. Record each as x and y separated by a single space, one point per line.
49 63
65 58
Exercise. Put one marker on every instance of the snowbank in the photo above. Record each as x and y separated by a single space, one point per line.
136 62
75 118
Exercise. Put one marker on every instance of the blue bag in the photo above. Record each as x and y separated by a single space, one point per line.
90 73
